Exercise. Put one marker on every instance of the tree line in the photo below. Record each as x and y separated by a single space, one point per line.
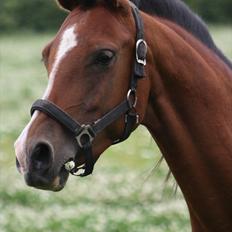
43 15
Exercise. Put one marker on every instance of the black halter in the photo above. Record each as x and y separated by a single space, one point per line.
85 134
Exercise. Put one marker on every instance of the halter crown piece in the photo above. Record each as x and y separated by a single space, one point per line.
85 134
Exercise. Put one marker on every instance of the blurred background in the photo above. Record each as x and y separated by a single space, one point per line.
126 193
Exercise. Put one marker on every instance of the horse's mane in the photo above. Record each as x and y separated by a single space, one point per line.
178 12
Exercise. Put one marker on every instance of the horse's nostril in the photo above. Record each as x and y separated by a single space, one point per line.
17 163
41 157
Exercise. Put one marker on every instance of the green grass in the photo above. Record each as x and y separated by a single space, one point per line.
123 195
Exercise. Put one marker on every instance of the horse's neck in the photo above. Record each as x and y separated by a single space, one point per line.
190 108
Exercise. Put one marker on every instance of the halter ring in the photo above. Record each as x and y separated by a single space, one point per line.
132 98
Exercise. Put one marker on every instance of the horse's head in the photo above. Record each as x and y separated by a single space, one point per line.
89 63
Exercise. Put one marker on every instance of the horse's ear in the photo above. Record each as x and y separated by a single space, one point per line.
68 4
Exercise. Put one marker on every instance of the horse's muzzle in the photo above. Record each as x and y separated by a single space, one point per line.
40 171
45 182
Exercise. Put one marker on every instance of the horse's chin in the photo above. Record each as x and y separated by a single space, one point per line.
60 181
44 183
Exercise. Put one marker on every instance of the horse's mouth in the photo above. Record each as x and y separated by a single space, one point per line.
46 182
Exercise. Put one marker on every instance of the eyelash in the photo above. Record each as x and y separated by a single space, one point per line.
103 58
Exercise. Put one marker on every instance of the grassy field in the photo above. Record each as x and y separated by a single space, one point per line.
125 194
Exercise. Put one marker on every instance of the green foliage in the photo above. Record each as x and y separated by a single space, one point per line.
39 15
213 11
42 15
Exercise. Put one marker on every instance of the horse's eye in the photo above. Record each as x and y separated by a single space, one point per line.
104 58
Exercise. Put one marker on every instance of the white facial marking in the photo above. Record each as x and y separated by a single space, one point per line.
20 143
68 41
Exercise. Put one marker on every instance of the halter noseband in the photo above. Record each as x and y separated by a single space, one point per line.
85 134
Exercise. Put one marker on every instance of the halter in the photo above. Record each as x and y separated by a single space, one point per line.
85 134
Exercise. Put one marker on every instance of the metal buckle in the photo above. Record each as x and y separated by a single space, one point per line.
140 60
86 135
132 98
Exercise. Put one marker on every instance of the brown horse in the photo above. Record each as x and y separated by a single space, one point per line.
184 100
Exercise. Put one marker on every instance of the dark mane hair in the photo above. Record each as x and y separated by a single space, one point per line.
178 12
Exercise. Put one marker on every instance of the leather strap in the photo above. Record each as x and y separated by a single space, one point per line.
74 127
57 114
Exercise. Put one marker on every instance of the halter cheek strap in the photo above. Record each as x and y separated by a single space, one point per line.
85 134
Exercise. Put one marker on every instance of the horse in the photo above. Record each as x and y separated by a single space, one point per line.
146 70
178 12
